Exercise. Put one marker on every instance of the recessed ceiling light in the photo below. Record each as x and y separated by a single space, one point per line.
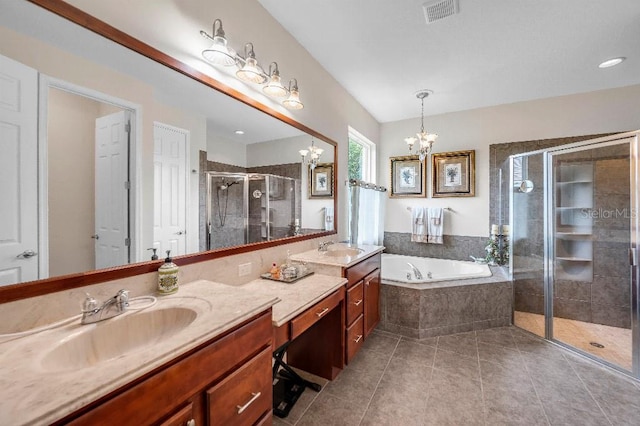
239 132
611 62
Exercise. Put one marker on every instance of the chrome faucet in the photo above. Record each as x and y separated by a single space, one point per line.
110 308
416 272
324 244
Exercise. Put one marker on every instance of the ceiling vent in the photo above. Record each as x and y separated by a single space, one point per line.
439 9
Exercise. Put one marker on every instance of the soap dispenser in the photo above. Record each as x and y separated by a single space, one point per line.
168 276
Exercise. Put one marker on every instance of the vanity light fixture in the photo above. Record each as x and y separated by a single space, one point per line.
248 70
293 101
219 53
426 139
274 87
251 71
314 155
239 132
612 62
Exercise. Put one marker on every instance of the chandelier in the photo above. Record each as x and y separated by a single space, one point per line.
314 155
426 139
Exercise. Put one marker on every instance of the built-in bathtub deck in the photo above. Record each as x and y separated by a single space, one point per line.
446 307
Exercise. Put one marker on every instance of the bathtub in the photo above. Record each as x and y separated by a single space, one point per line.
395 268
459 297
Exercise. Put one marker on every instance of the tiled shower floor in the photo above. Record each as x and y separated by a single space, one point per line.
616 341
500 376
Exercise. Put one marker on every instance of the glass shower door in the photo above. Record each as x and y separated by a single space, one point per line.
527 217
589 290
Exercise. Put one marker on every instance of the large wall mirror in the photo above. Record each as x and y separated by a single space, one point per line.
134 157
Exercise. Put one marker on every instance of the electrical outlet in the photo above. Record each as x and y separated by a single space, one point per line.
244 269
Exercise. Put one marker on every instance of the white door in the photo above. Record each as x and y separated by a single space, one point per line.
112 190
170 189
18 172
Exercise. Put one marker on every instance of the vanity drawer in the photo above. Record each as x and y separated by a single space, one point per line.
244 396
355 338
359 271
355 302
312 315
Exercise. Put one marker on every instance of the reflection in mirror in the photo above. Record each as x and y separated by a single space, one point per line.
127 149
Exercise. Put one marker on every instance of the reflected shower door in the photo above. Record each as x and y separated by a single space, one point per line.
589 297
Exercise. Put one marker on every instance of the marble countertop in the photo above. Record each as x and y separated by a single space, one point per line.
325 258
296 297
36 390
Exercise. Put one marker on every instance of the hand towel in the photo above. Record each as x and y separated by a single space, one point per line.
328 218
419 226
435 224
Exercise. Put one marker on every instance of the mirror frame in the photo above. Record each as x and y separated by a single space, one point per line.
51 285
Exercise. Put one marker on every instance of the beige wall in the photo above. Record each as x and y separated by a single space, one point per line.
78 71
71 164
605 111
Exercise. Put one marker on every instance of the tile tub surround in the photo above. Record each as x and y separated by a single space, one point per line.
455 247
34 394
448 307
501 376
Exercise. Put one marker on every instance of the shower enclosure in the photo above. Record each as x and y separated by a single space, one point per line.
573 215
244 208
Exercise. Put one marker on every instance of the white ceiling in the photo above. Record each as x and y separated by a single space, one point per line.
493 52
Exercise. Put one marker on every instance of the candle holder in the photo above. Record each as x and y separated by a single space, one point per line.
497 247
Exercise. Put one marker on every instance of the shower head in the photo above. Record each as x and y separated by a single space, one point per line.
226 185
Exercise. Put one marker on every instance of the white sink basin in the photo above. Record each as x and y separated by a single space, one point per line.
343 251
116 337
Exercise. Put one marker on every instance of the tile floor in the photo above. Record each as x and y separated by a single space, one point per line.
579 334
501 376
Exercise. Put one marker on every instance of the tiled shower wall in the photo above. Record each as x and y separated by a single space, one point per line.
605 300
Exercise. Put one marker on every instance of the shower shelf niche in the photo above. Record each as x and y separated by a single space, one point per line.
573 201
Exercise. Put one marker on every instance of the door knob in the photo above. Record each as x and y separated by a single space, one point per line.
26 254
95 237
181 232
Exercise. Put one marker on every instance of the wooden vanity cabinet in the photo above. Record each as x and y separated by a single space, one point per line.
363 303
226 381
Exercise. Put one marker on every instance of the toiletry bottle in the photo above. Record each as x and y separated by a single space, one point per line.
168 276
154 256
275 271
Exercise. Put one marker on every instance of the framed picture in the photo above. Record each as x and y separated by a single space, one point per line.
408 177
321 181
454 174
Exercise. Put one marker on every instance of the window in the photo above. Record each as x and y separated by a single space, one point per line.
362 157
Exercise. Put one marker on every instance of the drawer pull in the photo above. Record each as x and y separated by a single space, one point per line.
191 422
322 312
251 401
359 338
358 302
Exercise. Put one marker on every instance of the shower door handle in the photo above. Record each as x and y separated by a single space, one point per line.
633 256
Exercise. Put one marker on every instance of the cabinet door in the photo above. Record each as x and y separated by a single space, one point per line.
371 301
183 417
354 337
243 397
